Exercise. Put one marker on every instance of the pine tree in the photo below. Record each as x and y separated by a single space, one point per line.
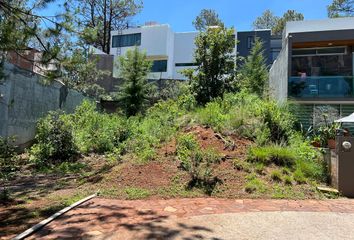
254 72
134 68
341 8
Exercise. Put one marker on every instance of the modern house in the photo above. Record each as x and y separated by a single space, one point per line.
172 52
271 44
315 68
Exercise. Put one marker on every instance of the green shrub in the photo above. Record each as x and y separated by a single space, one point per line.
8 157
309 161
97 132
299 176
54 141
8 164
198 162
187 146
276 176
212 115
281 156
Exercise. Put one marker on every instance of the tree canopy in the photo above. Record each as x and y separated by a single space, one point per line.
103 16
207 18
277 24
341 8
215 58
267 21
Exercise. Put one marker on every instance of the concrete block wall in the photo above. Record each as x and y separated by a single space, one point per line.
278 76
24 99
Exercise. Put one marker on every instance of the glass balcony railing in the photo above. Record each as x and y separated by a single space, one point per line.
321 87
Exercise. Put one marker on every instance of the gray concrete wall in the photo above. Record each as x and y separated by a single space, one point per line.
25 99
278 76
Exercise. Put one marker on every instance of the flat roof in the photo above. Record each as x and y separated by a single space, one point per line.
331 24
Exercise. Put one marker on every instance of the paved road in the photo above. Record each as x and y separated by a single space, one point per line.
205 219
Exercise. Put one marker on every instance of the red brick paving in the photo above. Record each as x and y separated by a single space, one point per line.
111 216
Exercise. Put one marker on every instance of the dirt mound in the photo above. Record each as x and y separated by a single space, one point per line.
230 147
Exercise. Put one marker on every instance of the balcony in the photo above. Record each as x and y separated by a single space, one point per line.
321 87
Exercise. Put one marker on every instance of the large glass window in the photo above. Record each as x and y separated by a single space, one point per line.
127 40
322 73
159 66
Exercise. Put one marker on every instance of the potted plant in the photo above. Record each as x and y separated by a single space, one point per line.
316 142
328 134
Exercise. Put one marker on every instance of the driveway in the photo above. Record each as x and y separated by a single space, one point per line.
205 219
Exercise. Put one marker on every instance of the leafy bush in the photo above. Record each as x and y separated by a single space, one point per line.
54 141
281 156
309 161
8 157
159 125
198 162
8 163
97 132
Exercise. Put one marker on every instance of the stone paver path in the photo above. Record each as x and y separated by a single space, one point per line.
205 218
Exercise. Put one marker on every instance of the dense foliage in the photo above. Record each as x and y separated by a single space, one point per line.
215 58
277 24
254 71
134 68
54 141
207 18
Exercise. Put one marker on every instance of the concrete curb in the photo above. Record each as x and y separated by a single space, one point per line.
45 222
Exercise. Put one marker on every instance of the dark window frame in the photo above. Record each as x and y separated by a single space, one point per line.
126 40
159 66
186 64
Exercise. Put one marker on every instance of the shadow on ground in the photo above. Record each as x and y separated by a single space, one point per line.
113 222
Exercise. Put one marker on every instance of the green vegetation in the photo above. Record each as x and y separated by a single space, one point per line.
199 163
214 47
341 8
277 24
8 164
134 68
54 141
254 72
254 184
134 193
207 18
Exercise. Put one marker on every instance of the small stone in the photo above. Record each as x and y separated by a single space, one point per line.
170 209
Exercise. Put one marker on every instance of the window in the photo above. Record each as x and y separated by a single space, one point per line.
250 42
127 40
159 66
186 64
319 51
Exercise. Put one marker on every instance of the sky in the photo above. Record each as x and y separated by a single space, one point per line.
238 13
179 14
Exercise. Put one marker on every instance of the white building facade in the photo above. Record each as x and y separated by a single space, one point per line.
170 52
